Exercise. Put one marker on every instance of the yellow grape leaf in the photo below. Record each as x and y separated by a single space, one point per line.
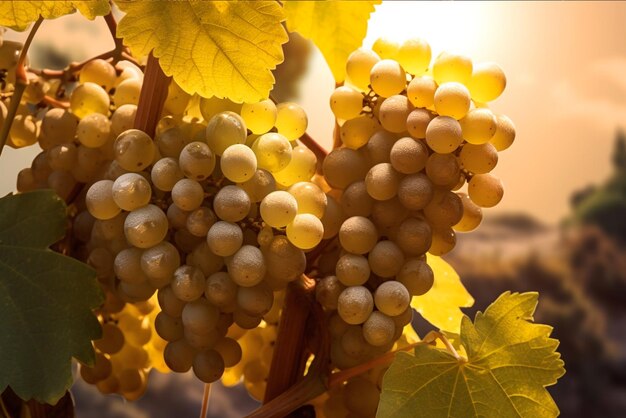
336 27
213 48
441 305
510 361
18 15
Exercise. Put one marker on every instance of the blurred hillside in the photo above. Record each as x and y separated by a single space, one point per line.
579 270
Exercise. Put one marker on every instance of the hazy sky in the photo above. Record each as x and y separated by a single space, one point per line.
566 90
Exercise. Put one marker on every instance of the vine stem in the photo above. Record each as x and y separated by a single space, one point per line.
21 81
3 407
290 351
205 400
152 97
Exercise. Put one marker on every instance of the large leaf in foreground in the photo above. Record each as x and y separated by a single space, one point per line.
18 15
336 27
510 361
213 48
441 305
45 299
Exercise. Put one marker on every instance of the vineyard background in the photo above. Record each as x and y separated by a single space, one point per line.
560 228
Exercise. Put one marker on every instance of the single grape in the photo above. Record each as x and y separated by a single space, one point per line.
231 204
89 98
100 202
414 55
187 194
100 72
305 231
472 215
127 92
355 201
278 208
225 238
238 163
301 167
386 48
134 150
385 259
421 91
346 103
165 174
452 99
358 235
225 129
479 126
196 161
487 82
387 78
443 134
416 276
259 117
146 227
259 185
408 156
505 133
379 329
247 266
392 298
479 159
452 67
485 190
355 304
309 197
131 191
393 113
356 132
382 181
273 152
352 269
358 67
291 120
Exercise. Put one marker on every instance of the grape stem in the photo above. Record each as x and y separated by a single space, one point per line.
21 81
338 378
53 102
205 400
152 97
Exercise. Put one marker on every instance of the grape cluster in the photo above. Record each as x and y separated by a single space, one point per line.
129 347
211 217
412 134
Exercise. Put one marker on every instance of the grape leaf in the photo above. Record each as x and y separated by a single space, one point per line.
336 27
441 305
510 361
45 299
18 15
213 48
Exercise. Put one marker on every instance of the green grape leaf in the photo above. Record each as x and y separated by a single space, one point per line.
213 48
336 27
18 15
46 299
441 305
510 361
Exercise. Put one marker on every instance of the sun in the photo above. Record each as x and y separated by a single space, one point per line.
457 27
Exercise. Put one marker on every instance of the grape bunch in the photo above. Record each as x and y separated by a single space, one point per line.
216 213
412 134
211 218
129 347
